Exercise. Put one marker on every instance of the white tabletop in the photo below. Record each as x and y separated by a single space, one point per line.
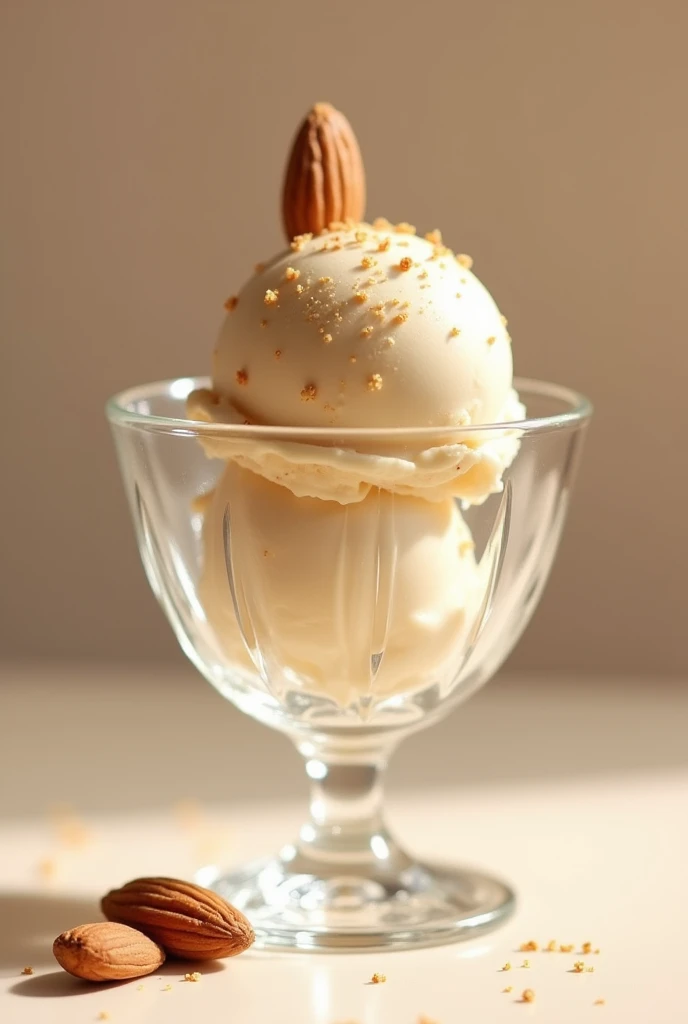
599 856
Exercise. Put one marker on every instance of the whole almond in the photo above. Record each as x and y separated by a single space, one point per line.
324 181
107 952
188 921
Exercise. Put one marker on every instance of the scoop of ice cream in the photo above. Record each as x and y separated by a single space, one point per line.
365 326
368 599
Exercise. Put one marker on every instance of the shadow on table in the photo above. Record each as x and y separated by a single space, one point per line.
30 921
58 984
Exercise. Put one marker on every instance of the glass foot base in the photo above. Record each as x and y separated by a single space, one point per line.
421 905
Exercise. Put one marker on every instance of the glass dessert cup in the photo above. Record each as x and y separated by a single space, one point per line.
348 627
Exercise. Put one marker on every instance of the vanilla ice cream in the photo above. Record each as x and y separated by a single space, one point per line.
366 327
371 599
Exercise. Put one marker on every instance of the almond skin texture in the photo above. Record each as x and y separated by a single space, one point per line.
107 952
324 181
188 921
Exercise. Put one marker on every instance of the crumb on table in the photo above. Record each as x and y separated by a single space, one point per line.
194 976
528 995
378 979
27 970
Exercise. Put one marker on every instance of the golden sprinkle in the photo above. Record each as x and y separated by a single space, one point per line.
506 966
366 332
566 949
361 297
374 382
27 970
404 229
271 297
579 967
367 262
464 260
324 280
309 393
381 224
434 237
378 979
278 353
264 323
586 948
300 240
259 268
455 332
378 310
491 340
361 237
292 274
194 976
400 318
241 377
529 947
528 995
551 946
384 245
327 338
232 303
299 289
405 264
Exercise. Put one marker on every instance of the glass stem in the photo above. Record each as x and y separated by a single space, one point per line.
346 831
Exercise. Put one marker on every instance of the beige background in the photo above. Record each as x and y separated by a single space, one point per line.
143 147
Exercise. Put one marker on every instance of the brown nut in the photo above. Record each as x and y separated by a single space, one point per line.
324 182
107 952
188 921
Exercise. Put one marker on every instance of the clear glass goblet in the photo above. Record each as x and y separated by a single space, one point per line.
347 626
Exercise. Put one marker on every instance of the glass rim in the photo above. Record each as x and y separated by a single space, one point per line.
118 411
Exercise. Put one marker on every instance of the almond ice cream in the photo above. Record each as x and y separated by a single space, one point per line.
344 567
